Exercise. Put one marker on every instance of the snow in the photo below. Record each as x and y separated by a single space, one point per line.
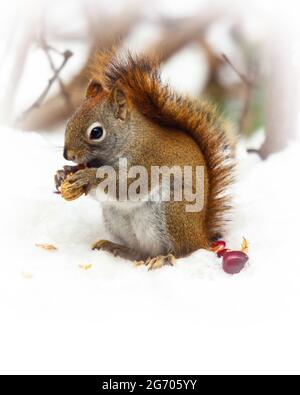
116 318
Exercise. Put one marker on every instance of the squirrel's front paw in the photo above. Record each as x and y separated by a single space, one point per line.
83 180
61 175
59 178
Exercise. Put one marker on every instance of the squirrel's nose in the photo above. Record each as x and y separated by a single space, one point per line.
69 155
65 154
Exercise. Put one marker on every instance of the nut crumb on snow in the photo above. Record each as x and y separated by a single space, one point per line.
47 247
85 267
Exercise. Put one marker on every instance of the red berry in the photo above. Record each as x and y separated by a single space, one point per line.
221 253
234 261
218 244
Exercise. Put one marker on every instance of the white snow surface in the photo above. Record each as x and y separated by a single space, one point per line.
116 318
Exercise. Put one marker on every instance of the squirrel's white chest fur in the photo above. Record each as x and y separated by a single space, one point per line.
138 225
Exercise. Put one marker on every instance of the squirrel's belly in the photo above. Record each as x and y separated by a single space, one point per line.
141 227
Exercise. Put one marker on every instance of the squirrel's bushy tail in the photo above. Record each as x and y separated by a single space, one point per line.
140 79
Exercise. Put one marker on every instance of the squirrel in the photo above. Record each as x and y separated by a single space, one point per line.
128 112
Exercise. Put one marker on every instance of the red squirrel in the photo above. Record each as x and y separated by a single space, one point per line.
129 113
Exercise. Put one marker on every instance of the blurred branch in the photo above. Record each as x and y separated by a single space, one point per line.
249 84
282 98
250 87
178 35
107 32
64 92
246 80
66 56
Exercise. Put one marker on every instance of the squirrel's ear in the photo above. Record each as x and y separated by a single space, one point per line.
119 103
93 89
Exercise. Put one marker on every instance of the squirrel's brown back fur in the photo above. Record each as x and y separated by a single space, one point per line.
139 77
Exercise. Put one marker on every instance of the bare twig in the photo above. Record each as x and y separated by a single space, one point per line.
254 151
47 49
66 56
105 35
243 77
250 85
53 110
182 33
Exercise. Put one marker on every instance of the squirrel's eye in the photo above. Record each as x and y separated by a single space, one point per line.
96 132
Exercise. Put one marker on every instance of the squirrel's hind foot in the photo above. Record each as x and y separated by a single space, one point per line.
116 250
158 262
